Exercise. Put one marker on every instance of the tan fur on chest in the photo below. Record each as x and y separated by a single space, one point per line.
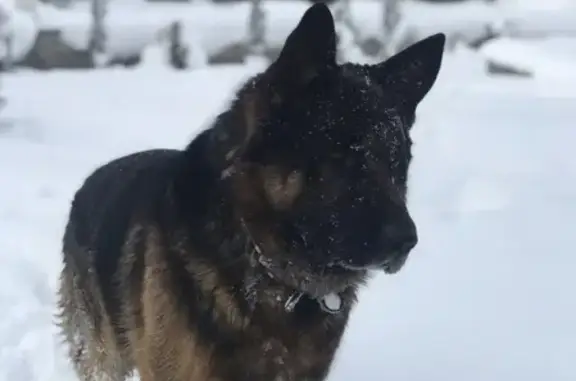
166 346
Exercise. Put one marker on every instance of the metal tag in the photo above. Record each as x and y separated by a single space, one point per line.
331 303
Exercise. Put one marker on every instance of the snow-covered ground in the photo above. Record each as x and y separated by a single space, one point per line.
488 295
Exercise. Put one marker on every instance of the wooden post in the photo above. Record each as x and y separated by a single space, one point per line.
98 37
177 50
6 32
256 44
6 36
9 59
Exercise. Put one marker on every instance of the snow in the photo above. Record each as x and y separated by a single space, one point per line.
536 17
134 24
55 128
544 57
486 295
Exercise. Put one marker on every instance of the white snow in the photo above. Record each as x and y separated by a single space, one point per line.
546 58
488 294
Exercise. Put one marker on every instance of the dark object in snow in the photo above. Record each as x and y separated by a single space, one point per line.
7 61
128 61
371 46
322 1
51 51
177 49
489 35
504 69
237 52
256 41
240 256
444 1
237 1
98 38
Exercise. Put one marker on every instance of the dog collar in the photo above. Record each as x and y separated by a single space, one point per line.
330 303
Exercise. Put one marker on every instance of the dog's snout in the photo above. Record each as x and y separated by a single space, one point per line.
400 237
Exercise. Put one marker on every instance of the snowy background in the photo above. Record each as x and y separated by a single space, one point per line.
489 292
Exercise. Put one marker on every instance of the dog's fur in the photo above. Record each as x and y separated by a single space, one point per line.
179 264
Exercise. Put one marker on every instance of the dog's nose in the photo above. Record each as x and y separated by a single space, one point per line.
400 237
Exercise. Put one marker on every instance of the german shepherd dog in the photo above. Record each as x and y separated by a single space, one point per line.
239 257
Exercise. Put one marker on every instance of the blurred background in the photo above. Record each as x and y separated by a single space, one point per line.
82 34
487 295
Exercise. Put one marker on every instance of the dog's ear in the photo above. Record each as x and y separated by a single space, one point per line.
410 74
309 49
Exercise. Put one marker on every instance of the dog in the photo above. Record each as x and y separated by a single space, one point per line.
239 257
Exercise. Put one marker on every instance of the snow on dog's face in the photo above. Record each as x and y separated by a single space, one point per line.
321 164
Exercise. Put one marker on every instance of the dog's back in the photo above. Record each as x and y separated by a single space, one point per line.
101 213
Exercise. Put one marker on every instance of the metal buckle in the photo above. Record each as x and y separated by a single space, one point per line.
292 301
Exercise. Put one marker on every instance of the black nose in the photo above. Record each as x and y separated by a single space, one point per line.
400 237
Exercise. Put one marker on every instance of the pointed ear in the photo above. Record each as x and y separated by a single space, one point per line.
309 49
410 74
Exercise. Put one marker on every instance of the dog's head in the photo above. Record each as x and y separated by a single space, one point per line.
319 167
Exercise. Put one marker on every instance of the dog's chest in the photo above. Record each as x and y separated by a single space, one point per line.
300 346
300 361
277 355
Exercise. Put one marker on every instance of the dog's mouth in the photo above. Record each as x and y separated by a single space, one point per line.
391 265
293 271
319 279
316 282
394 264
330 278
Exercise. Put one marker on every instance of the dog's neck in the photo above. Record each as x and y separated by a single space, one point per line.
330 303
263 280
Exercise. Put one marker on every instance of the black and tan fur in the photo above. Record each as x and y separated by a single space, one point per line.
178 264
